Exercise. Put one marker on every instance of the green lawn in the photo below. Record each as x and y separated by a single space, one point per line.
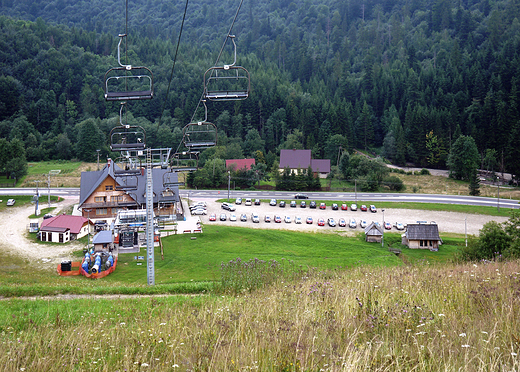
43 167
199 259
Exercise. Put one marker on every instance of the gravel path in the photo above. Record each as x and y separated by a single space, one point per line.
447 221
13 237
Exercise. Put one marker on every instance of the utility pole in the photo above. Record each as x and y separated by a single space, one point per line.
98 158
36 211
383 228
228 184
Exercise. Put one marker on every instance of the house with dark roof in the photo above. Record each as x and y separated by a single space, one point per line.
422 236
105 192
64 228
302 159
373 233
237 164
103 241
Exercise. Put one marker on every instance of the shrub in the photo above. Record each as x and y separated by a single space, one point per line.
394 183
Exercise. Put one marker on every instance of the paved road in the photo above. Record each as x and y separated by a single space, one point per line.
358 197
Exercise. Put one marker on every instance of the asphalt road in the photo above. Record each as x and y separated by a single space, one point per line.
358 197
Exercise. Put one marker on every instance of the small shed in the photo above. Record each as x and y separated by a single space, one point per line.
103 241
373 233
422 236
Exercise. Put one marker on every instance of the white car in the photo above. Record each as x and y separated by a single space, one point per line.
233 217
287 219
353 207
399 226
255 218
10 202
352 223
249 202
297 219
198 211
362 224
238 201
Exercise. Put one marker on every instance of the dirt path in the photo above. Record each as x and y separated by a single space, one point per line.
13 236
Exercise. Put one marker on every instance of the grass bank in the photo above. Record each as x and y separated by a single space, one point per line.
401 318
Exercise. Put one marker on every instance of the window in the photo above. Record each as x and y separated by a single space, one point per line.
421 243
100 199
431 243
101 211
43 236
118 198
109 187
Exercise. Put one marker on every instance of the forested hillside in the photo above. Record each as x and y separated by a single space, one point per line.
406 76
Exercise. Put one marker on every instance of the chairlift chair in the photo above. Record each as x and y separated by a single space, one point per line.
127 82
127 137
228 82
199 136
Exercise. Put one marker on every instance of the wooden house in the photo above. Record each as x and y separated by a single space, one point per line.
422 236
373 233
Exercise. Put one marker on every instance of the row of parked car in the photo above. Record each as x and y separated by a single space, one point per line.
311 204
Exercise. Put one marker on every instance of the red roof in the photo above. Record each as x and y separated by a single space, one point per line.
64 221
240 163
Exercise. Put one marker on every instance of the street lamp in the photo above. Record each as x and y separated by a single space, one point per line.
383 237
498 194
228 184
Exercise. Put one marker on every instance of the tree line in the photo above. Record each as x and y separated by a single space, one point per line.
404 78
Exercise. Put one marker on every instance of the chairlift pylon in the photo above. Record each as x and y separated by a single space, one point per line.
228 82
136 83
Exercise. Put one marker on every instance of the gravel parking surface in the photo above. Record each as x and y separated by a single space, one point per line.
447 221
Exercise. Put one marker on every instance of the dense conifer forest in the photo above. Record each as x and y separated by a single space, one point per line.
405 77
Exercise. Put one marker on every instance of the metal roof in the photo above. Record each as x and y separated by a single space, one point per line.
64 222
422 232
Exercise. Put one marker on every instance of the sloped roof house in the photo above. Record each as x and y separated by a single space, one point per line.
64 228
240 163
422 236
373 233
302 159
103 193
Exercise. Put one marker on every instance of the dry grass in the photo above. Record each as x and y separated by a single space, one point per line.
455 318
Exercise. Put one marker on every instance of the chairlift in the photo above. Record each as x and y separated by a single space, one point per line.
200 135
185 160
127 82
228 82
127 137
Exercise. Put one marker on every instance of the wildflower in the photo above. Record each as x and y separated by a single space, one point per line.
441 315
514 354
465 346
462 335
144 365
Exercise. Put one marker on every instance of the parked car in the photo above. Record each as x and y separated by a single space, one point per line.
321 222
301 196
272 202
249 202
257 201
255 218
334 207
312 204
212 217
373 208
352 223
303 204
353 207
323 206
228 207
331 222
10 202
388 226
363 208
223 217
267 219
399 226
344 207
282 204
309 220
232 217
198 212
293 204
243 217
297 219
362 224
342 222
287 219
238 201
277 219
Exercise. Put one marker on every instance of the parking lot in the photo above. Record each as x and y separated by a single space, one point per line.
447 221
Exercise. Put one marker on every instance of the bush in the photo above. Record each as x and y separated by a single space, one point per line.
394 183
424 172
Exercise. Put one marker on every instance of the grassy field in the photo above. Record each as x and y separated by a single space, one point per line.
402 318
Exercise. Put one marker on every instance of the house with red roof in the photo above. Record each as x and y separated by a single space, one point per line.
236 164
64 228
302 159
